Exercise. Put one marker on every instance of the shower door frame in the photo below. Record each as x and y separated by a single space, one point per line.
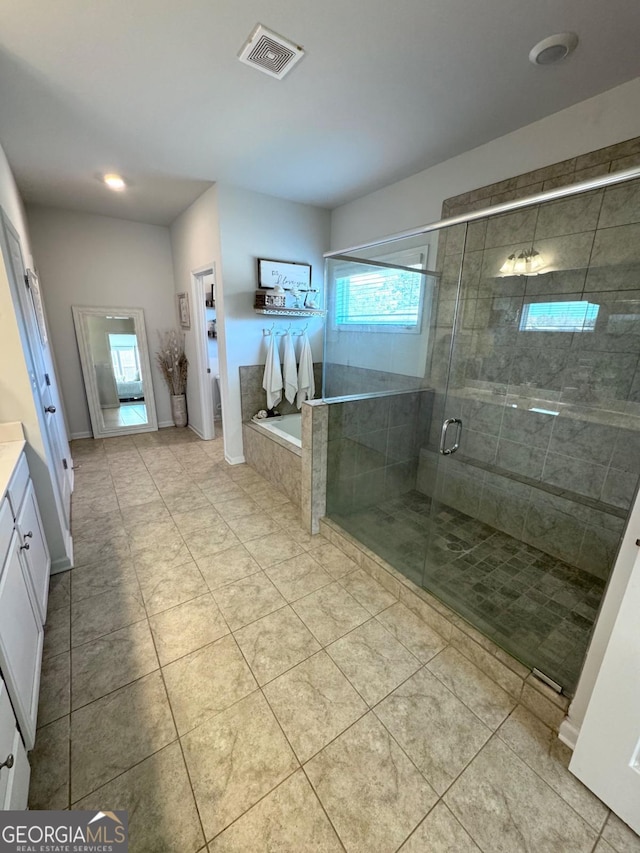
622 569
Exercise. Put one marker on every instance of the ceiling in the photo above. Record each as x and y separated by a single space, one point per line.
153 89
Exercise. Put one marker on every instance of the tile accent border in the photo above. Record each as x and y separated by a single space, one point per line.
515 678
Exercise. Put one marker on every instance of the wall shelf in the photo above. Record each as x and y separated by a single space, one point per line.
291 312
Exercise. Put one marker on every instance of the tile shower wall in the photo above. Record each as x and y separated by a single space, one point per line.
373 448
253 396
276 463
552 419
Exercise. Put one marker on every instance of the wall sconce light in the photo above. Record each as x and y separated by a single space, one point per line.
527 262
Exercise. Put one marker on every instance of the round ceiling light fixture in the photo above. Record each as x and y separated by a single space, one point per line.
553 49
114 182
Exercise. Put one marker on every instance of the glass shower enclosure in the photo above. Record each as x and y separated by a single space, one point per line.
483 378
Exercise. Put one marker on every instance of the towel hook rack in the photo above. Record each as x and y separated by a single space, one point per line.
267 332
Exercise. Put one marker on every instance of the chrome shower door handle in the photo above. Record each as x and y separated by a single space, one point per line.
444 450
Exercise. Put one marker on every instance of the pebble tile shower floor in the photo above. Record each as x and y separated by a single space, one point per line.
536 607
239 685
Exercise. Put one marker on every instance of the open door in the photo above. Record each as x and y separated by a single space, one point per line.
607 755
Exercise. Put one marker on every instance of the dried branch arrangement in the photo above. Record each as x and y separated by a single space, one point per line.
172 361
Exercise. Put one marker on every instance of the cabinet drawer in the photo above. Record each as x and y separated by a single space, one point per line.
14 780
6 529
34 550
18 485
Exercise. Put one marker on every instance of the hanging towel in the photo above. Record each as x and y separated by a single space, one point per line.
272 381
306 382
290 371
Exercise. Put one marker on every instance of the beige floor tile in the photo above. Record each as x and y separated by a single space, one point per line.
409 629
100 549
189 500
136 495
217 537
619 836
117 731
478 692
227 566
499 793
102 524
440 832
222 491
111 661
373 660
104 613
334 561
59 591
206 682
237 507
373 794
163 557
539 747
167 586
330 612
103 577
157 795
298 576
57 633
187 627
289 819
254 526
155 510
153 535
603 847
314 703
273 549
275 643
55 689
367 591
434 728
234 759
90 508
49 760
189 521
248 599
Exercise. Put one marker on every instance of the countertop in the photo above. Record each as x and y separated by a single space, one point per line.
12 444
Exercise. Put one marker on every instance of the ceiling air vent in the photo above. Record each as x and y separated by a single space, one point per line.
269 52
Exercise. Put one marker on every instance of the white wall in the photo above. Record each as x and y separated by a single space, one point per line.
195 243
253 226
604 120
84 259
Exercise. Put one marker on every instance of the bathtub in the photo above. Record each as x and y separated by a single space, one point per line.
288 427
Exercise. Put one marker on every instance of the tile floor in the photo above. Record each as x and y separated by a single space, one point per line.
127 414
538 608
239 685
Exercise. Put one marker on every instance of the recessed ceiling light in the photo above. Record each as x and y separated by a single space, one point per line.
114 182
553 49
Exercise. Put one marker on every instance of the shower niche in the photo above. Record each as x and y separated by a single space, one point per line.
484 421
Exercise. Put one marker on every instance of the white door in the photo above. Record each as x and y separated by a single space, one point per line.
41 372
607 755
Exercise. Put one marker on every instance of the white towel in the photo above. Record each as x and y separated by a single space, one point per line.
290 371
306 382
272 381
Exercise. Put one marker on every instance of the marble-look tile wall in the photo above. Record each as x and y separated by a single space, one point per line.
253 396
315 432
273 460
373 447
342 380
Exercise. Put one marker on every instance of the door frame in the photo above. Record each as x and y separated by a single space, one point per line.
199 329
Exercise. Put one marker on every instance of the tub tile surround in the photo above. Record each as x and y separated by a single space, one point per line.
253 725
253 396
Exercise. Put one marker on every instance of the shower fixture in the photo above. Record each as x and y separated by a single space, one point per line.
527 262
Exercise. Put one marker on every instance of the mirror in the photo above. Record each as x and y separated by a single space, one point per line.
116 370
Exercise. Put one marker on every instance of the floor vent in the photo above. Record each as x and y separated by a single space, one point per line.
270 53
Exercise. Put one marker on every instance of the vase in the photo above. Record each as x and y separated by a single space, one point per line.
179 409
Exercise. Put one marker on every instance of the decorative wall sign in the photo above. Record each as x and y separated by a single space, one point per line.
184 315
288 274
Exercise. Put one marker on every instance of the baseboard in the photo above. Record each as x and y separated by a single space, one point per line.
63 564
234 460
568 733
76 435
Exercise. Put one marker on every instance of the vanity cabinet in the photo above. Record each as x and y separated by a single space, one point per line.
24 586
14 767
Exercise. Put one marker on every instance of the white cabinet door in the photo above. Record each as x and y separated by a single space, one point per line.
34 550
14 767
607 755
21 641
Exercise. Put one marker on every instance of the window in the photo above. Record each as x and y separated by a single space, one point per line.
384 297
559 317
124 357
